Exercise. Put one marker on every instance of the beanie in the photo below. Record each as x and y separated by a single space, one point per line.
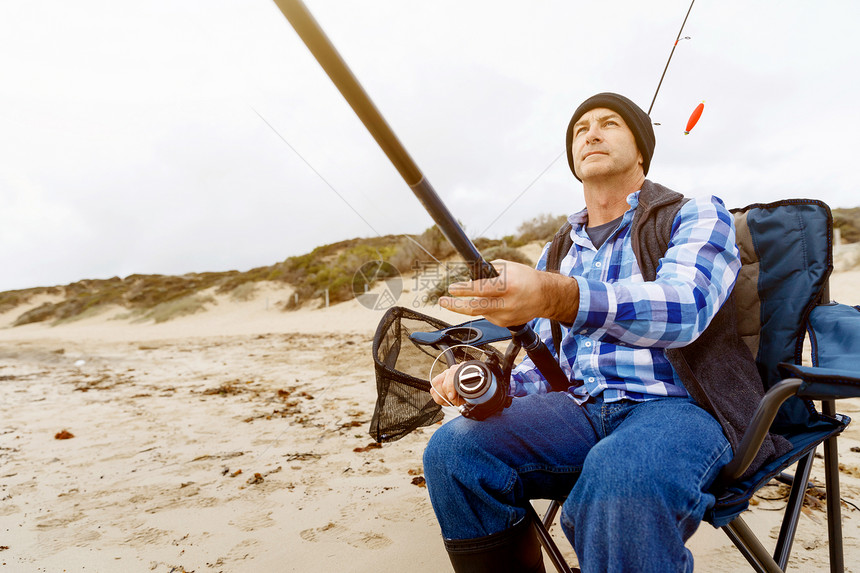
636 119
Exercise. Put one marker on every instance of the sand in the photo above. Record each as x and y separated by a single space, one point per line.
236 440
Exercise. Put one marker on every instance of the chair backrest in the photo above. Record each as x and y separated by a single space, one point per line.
786 252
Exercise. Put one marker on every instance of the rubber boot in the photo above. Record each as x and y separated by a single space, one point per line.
514 550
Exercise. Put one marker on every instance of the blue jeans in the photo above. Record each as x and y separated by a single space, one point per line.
634 475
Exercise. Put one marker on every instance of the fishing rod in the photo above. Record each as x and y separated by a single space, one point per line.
675 45
335 67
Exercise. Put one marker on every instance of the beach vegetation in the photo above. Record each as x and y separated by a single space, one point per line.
244 292
175 308
848 223
14 298
540 228
461 272
333 268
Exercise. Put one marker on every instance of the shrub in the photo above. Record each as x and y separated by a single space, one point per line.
458 273
178 307
509 254
413 252
541 228
40 313
244 292
440 288
13 298
848 223
483 243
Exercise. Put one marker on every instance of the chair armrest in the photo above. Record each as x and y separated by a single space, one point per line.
758 428
824 383
834 333
803 381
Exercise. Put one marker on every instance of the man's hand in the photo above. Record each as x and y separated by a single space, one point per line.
519 294
443 388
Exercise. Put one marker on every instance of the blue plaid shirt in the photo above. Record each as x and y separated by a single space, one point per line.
616 346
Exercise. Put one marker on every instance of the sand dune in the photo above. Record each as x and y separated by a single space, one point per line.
236 440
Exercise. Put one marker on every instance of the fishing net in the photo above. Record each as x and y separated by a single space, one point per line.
402 367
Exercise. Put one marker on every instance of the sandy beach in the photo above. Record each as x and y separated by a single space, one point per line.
236 440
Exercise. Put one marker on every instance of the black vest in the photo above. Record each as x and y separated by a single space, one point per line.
717 369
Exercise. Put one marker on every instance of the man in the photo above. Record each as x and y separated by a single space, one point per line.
630 447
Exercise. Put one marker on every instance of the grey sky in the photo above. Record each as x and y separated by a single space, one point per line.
129 142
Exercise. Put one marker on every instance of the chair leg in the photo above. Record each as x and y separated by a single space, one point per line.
541 526
834 510
551 512
792 510
750 547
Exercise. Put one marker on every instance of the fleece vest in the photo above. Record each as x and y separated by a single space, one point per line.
717 369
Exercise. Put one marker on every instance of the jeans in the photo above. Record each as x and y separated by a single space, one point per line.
634 475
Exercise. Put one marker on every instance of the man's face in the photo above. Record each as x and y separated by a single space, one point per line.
603 145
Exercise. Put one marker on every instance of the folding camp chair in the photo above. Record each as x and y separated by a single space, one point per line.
781 294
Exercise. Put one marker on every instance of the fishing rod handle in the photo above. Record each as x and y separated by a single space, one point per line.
541 356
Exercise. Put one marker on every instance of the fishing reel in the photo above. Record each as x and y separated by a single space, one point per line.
484 387
483 384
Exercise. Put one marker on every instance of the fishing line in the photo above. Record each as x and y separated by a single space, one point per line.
517 198
441 354
346 369
675 45
529 186
324 180
432 366
342 198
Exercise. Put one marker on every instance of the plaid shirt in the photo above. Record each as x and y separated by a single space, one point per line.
616 346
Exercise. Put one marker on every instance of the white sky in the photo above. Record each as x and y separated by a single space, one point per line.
129 142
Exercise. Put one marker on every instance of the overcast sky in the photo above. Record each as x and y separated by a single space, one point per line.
129 141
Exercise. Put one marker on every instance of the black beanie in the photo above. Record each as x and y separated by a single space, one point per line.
636 119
